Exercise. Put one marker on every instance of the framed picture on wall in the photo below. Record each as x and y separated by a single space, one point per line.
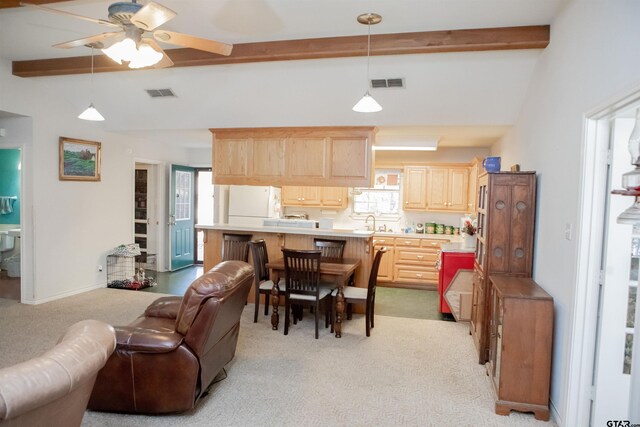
79 160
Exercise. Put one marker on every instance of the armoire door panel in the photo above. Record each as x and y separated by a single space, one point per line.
498 250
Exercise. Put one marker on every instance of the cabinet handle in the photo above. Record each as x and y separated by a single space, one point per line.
406 203
406 242
418 275
339 200
420 256
433 243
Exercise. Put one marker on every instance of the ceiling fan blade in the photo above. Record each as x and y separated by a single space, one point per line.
193 42
151 16
72 15
165 61
98 41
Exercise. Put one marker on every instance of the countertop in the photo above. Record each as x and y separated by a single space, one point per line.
290 230
337 232
456 247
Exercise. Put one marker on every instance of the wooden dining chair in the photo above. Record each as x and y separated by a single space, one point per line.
366 295
329 248
263 284
302 285
235 247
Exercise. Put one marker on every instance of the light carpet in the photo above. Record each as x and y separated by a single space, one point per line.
409 372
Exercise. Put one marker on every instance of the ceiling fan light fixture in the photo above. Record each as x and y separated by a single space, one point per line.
138 56
124 50
367 104
91 114
147 56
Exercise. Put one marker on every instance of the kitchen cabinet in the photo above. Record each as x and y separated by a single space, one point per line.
300 196
414 261
436 188
415 188
335 197
472 194
504 240
447 189
309 156
521 337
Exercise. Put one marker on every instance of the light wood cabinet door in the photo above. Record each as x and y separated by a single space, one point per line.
267 158
415 188
385 272
306 157
334 197
438 188
472 195
293 195
350 158
447 188
458 189
230 158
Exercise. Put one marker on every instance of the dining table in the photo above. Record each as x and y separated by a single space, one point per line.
338 271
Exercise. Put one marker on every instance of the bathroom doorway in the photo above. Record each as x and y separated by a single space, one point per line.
10 230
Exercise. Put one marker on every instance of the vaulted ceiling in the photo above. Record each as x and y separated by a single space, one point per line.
449 93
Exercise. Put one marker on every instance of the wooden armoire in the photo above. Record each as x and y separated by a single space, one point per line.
504 245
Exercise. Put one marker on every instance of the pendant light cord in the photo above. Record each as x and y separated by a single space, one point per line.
91 73
368 50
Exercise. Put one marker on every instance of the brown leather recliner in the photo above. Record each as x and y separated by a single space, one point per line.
167 358
53 389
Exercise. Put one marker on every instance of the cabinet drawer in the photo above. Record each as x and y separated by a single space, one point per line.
427 258
407 242
433 243
383 241
415 274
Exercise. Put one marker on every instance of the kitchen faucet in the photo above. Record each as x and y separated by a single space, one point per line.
366 221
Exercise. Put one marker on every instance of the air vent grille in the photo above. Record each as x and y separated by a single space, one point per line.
387 83
160 93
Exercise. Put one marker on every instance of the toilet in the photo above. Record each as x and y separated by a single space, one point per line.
7 242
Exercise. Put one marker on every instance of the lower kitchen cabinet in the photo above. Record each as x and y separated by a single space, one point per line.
520 340
410 262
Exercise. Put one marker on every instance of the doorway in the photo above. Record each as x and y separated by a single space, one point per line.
10 229
145 215
604 376
204 208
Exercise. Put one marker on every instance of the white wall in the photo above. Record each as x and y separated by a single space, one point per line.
593 58
70 227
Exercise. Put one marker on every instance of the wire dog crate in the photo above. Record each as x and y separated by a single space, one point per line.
125 272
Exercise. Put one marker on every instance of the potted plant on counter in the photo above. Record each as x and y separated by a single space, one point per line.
468 232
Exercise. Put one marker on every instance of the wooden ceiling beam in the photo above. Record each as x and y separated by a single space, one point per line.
474 40
5 4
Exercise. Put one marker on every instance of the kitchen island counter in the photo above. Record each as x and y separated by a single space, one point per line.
329 233
359 244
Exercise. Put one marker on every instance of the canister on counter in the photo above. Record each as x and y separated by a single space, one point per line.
439 228
430 227
448 229
456 231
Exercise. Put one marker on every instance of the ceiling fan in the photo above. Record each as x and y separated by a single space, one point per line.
130 42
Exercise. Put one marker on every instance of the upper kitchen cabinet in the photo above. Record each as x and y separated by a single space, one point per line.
415 188
335 197
317 156
436 187
448 189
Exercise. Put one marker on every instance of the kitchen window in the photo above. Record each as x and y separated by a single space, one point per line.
383 198
372 201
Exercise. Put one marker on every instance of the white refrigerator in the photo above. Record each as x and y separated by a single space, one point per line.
250 205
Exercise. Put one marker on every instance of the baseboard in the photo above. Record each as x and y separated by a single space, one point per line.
64 294
555 415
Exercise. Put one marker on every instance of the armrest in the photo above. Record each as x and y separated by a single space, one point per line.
167 307
131 338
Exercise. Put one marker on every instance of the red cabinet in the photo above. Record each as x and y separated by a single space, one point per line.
450 263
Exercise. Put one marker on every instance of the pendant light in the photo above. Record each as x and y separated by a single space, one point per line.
367 104
91 113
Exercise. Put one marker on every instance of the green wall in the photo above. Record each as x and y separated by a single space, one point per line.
10 183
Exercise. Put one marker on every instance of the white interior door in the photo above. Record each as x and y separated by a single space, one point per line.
618 293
